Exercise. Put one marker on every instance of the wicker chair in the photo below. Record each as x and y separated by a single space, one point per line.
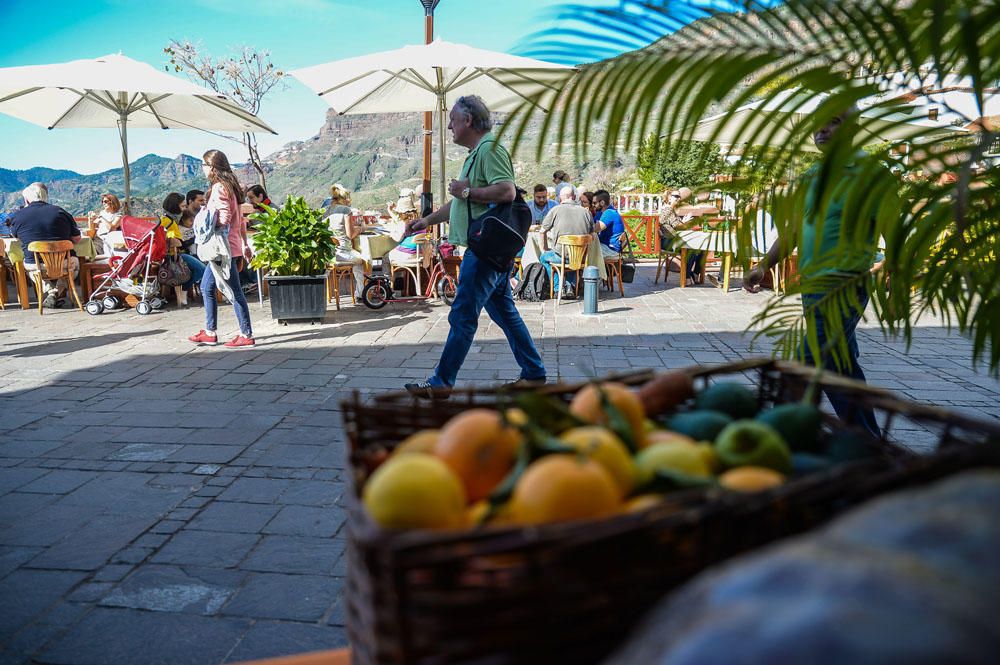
574 259
613 265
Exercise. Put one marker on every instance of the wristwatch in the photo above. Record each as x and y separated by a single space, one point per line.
465 192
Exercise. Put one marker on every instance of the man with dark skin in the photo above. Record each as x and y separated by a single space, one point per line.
823 231
486 179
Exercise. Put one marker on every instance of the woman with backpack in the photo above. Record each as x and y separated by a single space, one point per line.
223 205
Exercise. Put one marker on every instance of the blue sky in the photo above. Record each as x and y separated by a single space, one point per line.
297 32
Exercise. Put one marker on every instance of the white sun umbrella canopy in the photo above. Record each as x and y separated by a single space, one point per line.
430 78
771 122
116 91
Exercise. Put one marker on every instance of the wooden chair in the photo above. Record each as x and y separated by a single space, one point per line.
52 258
613 265
3 277
574 259
414 267
334 275
663 260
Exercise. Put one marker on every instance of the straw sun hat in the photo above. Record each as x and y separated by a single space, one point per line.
406 201
683 192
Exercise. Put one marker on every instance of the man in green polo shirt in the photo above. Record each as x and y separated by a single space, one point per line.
486 179
832 242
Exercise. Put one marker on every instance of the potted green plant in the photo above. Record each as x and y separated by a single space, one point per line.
294 243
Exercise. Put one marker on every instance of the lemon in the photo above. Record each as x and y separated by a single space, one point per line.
671 456
415 491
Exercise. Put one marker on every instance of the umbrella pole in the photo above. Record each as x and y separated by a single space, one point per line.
426 198
442 122
123 133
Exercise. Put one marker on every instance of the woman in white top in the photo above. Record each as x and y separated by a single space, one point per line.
345 228
107 219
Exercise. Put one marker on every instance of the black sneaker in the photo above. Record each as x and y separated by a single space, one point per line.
49 301
569 293
524 383
425 390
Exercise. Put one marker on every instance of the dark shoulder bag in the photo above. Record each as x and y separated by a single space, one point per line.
500 233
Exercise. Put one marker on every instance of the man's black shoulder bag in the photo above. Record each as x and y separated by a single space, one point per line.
499 234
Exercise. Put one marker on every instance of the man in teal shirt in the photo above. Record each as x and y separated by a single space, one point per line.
486 179
830 245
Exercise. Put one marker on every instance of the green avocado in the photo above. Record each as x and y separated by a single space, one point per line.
798 425
847 446
806 463
733 399
699 425
751 443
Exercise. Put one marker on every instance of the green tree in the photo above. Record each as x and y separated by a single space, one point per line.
679 60
662 165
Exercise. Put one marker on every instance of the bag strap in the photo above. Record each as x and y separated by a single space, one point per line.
468 202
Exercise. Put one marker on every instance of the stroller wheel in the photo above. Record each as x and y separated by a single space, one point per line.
112 302
94 307
142 308
157 303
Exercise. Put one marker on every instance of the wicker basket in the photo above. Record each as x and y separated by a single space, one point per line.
568 593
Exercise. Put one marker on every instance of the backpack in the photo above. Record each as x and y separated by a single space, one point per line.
534 284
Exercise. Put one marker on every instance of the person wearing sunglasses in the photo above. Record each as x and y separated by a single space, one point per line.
107 219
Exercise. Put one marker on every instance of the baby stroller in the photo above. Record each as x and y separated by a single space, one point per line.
133 274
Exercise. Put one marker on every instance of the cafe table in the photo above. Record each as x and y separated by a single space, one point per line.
84 249
533 249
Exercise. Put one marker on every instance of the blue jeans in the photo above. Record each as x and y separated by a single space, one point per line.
479 287
847 410
239 300
547 259
197 270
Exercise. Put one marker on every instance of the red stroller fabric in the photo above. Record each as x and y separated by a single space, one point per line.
137 240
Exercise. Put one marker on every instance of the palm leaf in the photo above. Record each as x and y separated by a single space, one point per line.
676 63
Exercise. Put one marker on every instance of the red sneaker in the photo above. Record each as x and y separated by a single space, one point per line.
240 342
204 339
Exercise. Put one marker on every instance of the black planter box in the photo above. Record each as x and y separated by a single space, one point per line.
297 298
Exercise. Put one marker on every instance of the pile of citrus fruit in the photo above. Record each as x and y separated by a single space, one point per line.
538 461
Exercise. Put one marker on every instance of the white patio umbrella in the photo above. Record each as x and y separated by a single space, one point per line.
430 77
116 91
763 123
951 98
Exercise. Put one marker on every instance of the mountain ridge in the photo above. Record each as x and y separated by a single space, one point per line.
373 155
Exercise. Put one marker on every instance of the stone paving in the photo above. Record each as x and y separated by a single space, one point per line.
161 503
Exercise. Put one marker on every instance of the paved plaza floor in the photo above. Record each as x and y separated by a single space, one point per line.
161 503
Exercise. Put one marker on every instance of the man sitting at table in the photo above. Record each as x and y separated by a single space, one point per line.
610 227
569 218
540 204
40 220
194 200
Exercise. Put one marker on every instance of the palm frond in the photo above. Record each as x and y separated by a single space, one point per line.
685 61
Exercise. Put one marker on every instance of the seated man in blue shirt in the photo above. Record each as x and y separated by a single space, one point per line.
540 204
40 220
610 226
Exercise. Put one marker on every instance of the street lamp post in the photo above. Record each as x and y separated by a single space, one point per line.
426 197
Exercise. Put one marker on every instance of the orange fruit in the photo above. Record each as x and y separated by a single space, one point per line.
750 479
586 406
418 442
604 447
667 436
559 488
479 449
415 491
